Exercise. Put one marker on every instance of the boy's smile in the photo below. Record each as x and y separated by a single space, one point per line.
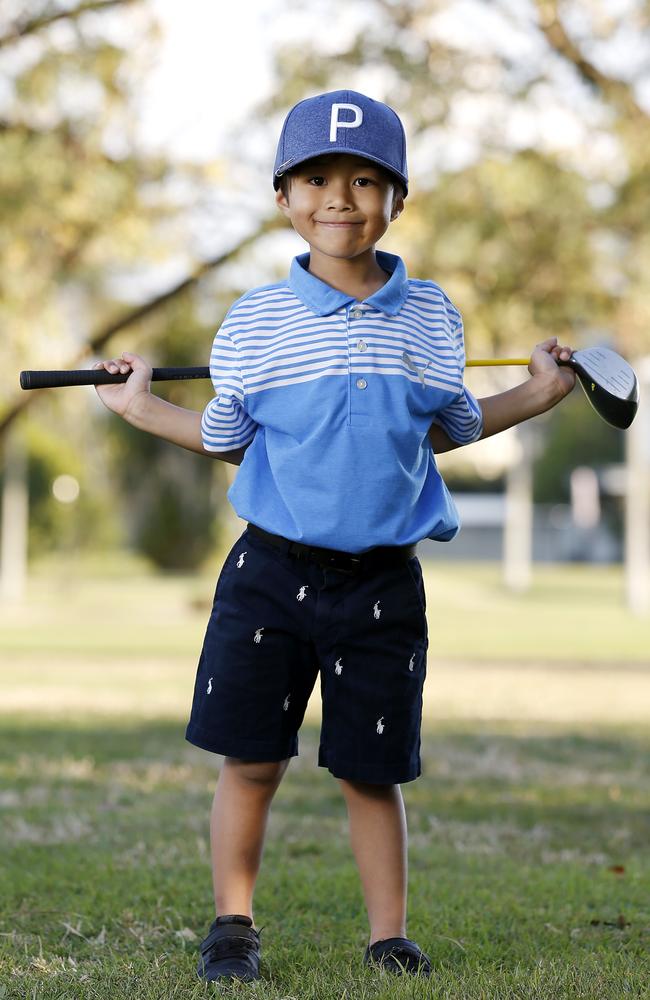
341 205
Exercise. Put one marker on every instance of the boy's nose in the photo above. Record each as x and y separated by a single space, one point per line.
339 197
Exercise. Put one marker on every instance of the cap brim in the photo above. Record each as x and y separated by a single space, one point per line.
328 151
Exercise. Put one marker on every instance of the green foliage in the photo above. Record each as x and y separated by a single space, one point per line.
73 210
571 441
169 497
506 239
56 526
84 207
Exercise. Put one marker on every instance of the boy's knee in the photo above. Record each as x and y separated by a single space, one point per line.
263 774
367 789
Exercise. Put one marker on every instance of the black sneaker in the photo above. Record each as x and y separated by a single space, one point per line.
398 955
231 950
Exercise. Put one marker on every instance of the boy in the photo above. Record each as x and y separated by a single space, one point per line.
334 389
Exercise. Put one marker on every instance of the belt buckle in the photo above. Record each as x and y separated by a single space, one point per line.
342 564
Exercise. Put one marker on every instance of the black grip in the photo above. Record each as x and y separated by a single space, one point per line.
99 376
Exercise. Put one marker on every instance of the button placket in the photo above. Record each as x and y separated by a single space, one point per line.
357 312
356 342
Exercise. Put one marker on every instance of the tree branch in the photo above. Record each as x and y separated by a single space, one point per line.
616 91
98 339
31 27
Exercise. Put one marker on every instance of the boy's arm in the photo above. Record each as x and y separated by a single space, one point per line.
548 385
134 401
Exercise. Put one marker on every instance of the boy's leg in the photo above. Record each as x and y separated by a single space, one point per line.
237 827
379 843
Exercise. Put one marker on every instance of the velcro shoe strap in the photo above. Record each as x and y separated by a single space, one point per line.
229 927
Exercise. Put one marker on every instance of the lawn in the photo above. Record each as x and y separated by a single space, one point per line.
528 829
572 613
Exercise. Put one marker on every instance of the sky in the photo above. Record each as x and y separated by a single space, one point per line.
213 64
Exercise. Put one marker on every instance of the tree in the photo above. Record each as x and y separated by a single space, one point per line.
85 206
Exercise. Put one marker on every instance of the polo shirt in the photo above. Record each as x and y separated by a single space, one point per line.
334 398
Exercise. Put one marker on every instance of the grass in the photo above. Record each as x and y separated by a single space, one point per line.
528 829
572 613
529 866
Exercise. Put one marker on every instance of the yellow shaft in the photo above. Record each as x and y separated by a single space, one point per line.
497 361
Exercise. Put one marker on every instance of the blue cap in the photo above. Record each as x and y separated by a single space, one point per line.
342 121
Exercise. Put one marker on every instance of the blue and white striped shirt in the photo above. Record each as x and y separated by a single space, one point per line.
335 398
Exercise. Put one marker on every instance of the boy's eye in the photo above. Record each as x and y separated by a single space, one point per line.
364 181
318 181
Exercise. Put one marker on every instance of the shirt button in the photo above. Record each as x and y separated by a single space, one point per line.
362 346
356 313
361 383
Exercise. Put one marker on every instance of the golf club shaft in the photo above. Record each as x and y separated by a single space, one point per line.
485 363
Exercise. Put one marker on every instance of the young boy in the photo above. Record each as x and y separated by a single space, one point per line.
334 390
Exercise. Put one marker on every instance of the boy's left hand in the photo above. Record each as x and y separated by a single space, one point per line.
543 364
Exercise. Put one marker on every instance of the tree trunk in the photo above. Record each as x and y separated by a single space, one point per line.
13 526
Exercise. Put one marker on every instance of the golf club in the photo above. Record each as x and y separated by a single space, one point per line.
609 382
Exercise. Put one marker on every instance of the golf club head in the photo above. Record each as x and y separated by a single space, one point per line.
609 383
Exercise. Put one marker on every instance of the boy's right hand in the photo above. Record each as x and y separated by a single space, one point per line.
122 397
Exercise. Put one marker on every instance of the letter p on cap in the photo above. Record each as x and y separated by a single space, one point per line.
336 124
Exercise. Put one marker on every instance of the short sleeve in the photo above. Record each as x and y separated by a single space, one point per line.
462 419
225 425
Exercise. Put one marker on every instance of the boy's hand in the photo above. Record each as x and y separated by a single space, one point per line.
543 364
124 396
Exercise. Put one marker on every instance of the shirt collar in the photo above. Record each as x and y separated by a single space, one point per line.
321 299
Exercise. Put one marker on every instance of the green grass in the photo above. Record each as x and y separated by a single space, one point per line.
528 829
571 613
105 882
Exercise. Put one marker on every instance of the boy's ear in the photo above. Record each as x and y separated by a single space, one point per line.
398 206
282 202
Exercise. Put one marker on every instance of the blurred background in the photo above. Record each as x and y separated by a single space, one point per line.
137 140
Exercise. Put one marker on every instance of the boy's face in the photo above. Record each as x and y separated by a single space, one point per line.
340 204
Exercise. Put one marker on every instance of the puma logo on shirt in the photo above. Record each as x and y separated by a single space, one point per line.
411 365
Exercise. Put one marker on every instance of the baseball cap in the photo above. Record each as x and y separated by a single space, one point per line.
342 121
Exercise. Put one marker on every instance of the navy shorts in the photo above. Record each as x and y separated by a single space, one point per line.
277 621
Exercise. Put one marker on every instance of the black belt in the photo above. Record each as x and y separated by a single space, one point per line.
344 562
